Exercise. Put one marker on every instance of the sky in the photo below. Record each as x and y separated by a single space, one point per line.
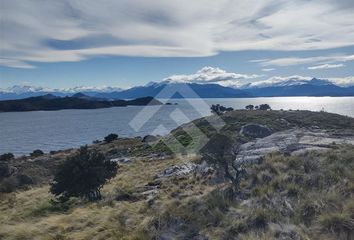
125 43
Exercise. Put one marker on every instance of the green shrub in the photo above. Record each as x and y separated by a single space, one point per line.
307 211
110 138
4 170
293 190
340 224
83 175
9 185
260 218
6 157
37 153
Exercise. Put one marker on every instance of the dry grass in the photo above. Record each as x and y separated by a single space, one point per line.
29 214
303 197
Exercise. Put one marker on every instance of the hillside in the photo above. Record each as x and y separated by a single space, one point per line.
50 102
300 188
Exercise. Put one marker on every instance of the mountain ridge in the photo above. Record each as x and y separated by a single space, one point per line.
293 86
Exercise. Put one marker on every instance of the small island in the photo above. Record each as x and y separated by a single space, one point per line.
51 102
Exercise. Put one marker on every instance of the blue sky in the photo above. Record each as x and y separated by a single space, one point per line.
128 43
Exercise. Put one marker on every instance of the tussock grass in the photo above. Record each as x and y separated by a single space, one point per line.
309 196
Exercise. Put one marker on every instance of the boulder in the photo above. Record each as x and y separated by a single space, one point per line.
255 131
177 170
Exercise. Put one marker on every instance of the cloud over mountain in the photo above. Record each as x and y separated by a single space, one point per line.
212 75
344 81
299 80
64 31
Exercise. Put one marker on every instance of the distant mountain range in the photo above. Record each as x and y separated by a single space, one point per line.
313 87
177 90
51 102
289 87
20 92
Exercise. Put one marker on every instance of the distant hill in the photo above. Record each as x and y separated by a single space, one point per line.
81 101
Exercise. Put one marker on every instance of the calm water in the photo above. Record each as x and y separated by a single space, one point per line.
22 132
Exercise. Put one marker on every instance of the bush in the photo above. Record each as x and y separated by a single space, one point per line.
24 179
219 109
8 185
110 137
37 153
250 107
4 170
83 175
264 107
260 218
338 223
6 157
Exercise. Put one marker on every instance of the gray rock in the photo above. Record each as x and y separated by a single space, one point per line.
255 131
203 168
121 160
293 141
177 170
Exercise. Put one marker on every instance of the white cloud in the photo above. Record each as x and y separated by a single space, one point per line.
73 30
280 81
298 80
212 75
291 61
326 66
14 63
343 81
268 69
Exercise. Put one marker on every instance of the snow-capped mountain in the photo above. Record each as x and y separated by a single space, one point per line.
275 86
177 90
296 86
18 92
287 81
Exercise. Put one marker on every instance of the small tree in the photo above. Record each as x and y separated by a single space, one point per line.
221 152
110 137
264 107
219 109
4 170
37 153
215 109
249 107
6 157
83 175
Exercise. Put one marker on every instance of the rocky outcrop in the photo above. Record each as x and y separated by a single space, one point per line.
292 141
177 170
255 131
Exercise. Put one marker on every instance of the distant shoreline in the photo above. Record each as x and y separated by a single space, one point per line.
53 103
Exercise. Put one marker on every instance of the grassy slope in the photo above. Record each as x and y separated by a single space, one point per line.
309 195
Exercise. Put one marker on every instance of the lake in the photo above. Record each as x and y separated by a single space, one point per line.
22 132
